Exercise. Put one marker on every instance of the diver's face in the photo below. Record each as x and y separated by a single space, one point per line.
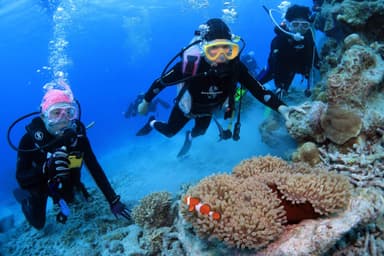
59 117
57 128
220 51
299 26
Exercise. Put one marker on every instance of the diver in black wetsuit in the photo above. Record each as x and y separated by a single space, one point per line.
293 53
217 73
50 157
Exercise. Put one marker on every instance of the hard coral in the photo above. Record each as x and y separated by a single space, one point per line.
308 153
339 124
359 72
261 196
153 210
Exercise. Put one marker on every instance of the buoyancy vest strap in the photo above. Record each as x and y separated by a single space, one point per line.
189 69
181 93
191 66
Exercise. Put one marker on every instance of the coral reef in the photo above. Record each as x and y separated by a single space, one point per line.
91 229
338 18
360 70
261 196
154 210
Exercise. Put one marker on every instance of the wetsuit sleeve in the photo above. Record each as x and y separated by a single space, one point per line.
29 165
265 96
170 78
96 171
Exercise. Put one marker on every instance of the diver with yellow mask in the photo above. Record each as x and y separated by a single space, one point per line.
209 77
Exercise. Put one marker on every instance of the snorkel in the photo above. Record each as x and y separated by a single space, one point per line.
296 36
49 99
36 113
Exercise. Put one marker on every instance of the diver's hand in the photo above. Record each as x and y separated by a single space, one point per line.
142 108
57 164
285 111
118 208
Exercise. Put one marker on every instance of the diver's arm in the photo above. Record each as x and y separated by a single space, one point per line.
265 96
96 171
169 79
29 166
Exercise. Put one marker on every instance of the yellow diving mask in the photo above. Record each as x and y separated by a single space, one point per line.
213 50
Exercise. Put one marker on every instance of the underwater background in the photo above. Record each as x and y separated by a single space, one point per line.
110 51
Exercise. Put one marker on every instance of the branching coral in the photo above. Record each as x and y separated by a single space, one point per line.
261 196
153 210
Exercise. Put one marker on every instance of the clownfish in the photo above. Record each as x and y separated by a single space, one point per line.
195 204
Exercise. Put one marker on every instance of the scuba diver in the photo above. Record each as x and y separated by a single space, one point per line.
50 156
132 108
250 62
207 78
293 51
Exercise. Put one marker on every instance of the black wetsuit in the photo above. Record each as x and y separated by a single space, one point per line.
288 57
209 89
30 176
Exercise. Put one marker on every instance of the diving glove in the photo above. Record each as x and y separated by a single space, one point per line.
57 164
120 209
142 108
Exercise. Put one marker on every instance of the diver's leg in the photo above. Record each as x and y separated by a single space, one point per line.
33 204
201 126
176 122
283 81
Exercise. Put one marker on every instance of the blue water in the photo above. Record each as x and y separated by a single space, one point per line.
116 48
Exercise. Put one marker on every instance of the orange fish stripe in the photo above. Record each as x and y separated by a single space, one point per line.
205 209
191 202
216 215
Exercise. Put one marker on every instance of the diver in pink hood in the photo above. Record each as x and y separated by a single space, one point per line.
50 157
